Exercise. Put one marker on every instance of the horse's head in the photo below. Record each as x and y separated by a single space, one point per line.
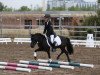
34 39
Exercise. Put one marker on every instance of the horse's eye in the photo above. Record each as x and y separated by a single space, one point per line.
35 39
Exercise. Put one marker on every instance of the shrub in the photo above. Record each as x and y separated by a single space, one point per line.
90 31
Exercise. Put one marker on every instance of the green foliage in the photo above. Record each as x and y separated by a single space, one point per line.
57 9
7 9
94 20
90 31
1 6
98 14
77 8
98 10
74 8
98 1
24 8
90 21
38 9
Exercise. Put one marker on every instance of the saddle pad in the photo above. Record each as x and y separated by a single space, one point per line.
47 41
57 39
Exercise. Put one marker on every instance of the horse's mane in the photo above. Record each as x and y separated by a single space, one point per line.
38 34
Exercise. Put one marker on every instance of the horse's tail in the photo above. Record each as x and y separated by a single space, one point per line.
69 46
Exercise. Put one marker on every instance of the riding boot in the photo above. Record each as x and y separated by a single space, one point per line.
53 48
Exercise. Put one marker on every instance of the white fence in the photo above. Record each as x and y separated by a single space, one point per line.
83 43
5 40
28 40
22 35
22 40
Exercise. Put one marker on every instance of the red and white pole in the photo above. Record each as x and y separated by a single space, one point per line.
15 68
25 66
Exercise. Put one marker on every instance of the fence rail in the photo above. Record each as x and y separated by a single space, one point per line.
65 30
79 26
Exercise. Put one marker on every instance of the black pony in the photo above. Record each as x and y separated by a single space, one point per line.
43 45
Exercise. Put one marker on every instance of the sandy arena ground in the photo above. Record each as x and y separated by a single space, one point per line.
13 53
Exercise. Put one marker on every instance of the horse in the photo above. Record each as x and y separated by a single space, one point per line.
41 40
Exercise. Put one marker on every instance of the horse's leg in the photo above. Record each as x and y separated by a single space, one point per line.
65 51
35 54
48 52
59 54
67 55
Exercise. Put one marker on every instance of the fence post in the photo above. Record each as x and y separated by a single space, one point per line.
1 24
95 30
60 23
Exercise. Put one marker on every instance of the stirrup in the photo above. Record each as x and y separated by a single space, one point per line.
53 50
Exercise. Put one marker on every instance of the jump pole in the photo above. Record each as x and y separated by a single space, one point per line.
26 66
46 64
66 63
15 68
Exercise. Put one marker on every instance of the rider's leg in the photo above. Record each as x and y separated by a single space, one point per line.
54 43
52 47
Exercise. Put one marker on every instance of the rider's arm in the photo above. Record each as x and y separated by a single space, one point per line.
44 30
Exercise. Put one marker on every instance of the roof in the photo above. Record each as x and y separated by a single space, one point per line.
52 13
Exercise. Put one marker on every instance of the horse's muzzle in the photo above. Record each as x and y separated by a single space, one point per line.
32 46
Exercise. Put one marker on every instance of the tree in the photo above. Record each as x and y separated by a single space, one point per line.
1 6
7 9
83 8
98 1
38 9
24 8
98 12
58 9
98 8
74 8
94 20
89 21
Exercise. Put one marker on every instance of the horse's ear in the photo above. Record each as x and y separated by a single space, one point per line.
31 35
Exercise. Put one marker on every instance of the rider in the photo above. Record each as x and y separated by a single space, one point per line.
48 29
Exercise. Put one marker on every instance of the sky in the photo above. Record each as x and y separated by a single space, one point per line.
19 3
30 3
90 0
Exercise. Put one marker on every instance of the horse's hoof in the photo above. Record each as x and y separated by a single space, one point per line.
57 58
50 60
35 58
69 61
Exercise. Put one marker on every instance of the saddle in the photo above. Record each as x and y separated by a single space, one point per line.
51 40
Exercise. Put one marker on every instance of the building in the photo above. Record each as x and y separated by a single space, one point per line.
55 3
69 3
87 4
26 19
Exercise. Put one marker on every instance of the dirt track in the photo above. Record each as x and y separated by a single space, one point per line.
14 53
